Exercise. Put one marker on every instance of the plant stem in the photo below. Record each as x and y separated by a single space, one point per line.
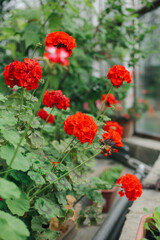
26 129
57 123
65 149
6 171
32 95
65 174
34 51
22 99
29 187
44 124
30 190
101 109
68 152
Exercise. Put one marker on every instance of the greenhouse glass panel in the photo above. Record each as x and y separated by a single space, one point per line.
148 77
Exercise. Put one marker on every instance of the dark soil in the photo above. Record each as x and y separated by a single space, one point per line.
149 235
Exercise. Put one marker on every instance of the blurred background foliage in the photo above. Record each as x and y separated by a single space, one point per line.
115 38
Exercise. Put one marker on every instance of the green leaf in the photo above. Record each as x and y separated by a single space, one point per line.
78 176
36 177
146 211
12 228
50 177
61 198
37 140
8 189
69 213
95 196
37 222
54 21
80 220
156 215
21 177
35 123
63 184
146 226
18 206
2 98
130 9
7 118
50 235
28 13
11 136
30 38
62 145
20 162
47 208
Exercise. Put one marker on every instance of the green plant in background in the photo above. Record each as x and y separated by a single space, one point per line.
111 40
152 224
136 111
112 174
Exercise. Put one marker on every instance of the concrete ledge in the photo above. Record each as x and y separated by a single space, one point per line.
145 150
149 200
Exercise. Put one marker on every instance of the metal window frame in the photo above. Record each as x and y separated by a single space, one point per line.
142 11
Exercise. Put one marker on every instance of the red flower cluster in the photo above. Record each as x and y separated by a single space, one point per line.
1 199
60 40
23 74
56 98
81 126
57 55
110 99
54 163
131 186
114 126
44 115
118 74
111 138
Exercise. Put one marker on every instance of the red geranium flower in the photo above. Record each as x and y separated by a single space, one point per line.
118 74
110 99
113 137
131 186
56 98
57 55
29 73
44 115
9 74
81 126
23 74
110 139
60 40
1 199
114 126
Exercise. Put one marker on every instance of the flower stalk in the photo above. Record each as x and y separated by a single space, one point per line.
101 109
44 124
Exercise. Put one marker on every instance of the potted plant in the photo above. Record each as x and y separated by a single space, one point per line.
149 227
108 189
110 175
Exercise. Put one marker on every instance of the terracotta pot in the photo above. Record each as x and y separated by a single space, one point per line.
108 195
141 230
128 126
108 198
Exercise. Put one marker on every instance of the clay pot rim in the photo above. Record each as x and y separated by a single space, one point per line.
141 230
